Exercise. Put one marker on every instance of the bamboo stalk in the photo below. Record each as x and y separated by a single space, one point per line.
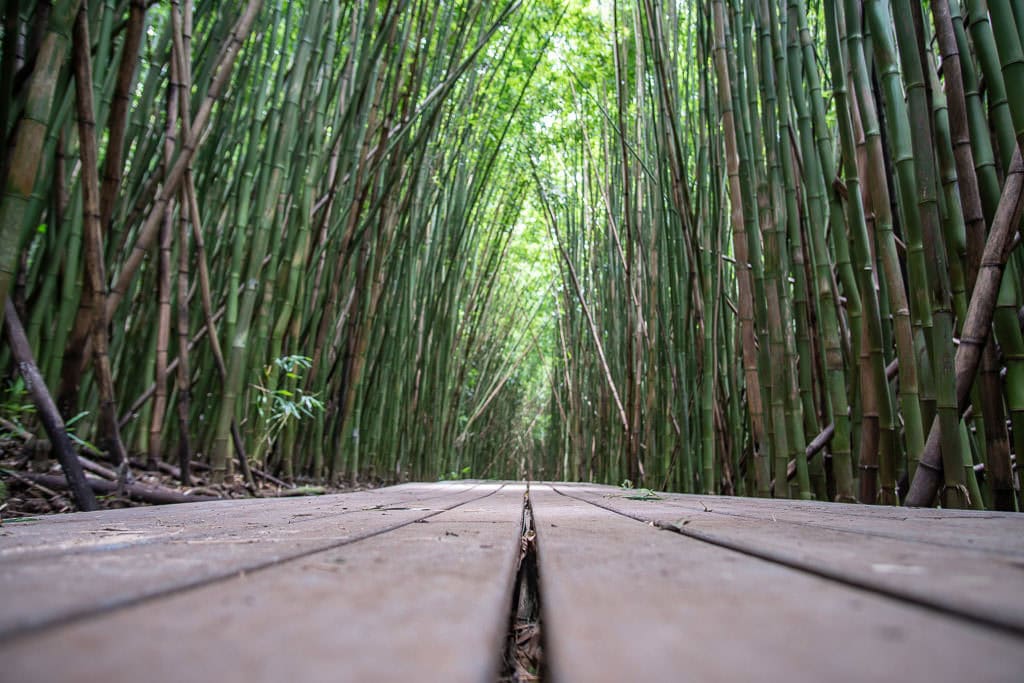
50 416
926 482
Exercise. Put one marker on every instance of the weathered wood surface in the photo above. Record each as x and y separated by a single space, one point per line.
56 534
939 571
414 583
627 601
426 597
998 532
75 565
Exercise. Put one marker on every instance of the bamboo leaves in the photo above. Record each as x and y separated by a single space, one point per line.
833 290
753 247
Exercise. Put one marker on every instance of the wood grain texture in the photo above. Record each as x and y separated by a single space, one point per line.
95 562
997 532
426 602
985 586
51 535
626 601
414 583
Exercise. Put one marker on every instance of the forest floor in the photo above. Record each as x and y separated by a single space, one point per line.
32 483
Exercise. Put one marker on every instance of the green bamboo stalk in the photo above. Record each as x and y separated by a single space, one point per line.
27 157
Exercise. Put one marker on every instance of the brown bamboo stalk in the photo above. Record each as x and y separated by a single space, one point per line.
743 274
118 121
48 413
109 429
205 296
974 219
163 326
198 130
977 326
184 373
157 495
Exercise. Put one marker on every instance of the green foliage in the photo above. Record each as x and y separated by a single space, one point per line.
71 429
16 404
280 407
16 407
464 473
643 494
637 494
507 230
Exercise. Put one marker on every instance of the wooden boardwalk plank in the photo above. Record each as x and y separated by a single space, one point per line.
997 532
625 601
428 601
352 588
93 531
984 586
93 567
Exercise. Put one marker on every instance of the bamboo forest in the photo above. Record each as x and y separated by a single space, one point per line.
741 247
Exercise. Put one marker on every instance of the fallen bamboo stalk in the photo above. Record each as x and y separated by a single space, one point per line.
270 478
817 443
47 409
16 430
96 468
156 495
20 476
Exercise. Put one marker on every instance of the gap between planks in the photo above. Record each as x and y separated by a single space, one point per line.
623 601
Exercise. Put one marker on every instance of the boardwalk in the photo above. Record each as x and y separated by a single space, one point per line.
417 583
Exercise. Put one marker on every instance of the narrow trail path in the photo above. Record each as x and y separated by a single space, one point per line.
430 582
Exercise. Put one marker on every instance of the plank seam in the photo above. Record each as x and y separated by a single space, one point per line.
518 657
857 532
989 621
114 547
19 633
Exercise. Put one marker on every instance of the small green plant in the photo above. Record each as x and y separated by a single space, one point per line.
637 494
643 494
464 473
82 443
16 407
18 410
280 406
